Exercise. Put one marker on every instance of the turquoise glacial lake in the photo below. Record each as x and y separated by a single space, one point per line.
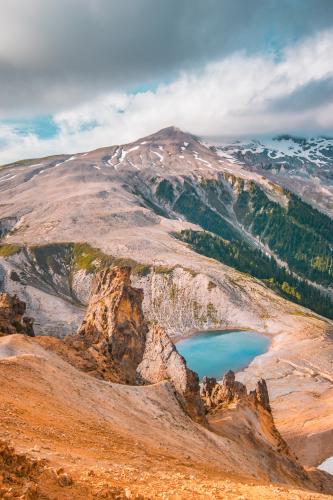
214 353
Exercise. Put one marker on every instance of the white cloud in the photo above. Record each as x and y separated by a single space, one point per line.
233 96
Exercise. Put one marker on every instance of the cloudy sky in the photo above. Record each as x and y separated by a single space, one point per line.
80 74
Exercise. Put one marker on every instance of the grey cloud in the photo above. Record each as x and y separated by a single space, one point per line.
306 97
58 53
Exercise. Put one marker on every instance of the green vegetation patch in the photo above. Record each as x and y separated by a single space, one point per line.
241 256
165 191
82 256
299 234
6 250
89 259
162 269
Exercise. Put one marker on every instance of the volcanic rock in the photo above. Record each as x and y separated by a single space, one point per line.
162 361
260 394
113 329
12 320
214 394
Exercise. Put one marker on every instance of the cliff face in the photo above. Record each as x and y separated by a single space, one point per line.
161 361
12 319
114 332
114 328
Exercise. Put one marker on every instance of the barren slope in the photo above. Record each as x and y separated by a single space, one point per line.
112 436
108 198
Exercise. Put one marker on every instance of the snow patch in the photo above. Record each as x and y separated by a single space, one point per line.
159 155
327 465
197 158
124 153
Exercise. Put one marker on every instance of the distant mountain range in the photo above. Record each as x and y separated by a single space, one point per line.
305 166
246 205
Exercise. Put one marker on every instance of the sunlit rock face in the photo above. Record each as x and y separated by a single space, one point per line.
114 327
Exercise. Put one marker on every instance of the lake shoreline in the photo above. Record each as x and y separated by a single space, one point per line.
192 333
214 352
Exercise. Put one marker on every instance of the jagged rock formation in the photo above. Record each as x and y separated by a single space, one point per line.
219 395
230 407
114 343
260 394
214 394
162 361
12 320
113 329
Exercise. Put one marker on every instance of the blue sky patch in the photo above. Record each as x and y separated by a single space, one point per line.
42 126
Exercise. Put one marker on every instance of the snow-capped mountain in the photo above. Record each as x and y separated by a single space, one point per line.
304 166
154 199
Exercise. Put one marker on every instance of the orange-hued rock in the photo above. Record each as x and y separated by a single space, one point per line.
260 395
114 330
220 395
114 343
230 408
214 394
161 361
107 440
12 320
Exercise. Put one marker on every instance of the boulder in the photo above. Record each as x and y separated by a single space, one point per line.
12 320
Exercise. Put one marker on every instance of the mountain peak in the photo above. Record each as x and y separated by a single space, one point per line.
172 134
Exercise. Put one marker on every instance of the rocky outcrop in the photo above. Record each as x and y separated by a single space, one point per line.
115 334
161 361
214 394
260 394
114 330
247 416
12 320
114 343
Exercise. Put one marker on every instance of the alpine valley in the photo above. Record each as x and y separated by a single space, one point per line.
120 252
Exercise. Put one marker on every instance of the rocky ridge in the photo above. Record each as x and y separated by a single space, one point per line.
303 165
216 394
220 394
114 319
